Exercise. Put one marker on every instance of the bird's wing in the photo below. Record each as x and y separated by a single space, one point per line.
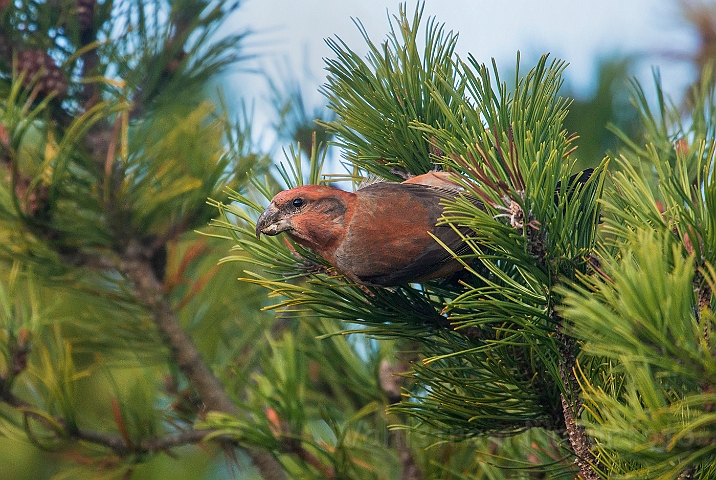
409 215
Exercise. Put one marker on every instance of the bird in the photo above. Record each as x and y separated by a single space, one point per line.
382 235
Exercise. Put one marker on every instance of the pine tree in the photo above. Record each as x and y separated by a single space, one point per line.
121 337
577 343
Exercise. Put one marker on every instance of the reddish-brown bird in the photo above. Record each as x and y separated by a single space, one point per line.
380 235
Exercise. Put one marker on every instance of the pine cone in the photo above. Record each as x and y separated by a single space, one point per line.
33 199
37 62
85 14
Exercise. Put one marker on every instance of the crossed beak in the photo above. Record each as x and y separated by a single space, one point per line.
270 222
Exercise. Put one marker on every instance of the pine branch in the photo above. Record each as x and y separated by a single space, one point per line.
119 446
101 134
581 444
90 61
117 443
297 448
585 460
136 266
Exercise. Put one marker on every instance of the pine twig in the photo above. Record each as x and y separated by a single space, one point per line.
300 451
117 443
90 61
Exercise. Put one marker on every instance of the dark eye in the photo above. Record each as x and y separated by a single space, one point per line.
297 202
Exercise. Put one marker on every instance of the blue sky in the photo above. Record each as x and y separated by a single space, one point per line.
289 34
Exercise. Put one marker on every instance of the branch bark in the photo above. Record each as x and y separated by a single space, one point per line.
117 444
579 440
585 460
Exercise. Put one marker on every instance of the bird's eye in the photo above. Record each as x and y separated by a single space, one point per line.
297 202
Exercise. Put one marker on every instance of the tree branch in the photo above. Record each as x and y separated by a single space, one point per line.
117 444
90 62
585 460
581 444
114 442
297 448
136 266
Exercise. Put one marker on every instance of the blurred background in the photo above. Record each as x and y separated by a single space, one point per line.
605 43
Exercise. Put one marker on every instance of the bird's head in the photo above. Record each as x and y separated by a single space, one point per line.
313 215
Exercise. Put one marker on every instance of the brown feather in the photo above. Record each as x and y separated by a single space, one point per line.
389 242
379 235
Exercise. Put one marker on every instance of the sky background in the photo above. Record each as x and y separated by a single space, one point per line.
288 37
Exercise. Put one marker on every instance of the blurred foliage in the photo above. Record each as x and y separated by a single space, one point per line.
295 120
609 103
